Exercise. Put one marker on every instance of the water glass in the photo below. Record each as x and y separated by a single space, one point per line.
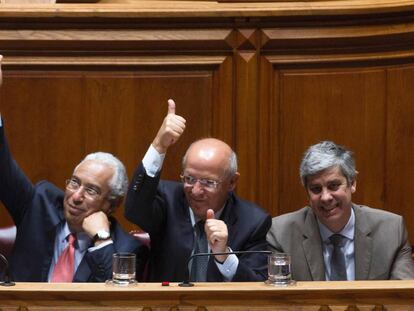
123 268
279 269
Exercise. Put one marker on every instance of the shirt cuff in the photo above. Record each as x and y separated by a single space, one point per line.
153 161
229 267
103 244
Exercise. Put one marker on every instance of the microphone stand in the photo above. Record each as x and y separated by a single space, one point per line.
188 283
7 278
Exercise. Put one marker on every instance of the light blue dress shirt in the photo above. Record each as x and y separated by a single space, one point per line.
82 243
348 249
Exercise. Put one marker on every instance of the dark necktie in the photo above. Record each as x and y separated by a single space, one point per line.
64 268
199 265
338 269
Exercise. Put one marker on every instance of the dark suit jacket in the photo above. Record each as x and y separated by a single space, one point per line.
161 209
36 212
382 250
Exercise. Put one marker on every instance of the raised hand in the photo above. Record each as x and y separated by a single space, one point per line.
170 131
217 235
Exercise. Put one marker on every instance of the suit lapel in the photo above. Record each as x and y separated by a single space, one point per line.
186 241
312 246
230 218
362 244
83 272
51 227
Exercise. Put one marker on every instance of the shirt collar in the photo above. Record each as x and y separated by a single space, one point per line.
195 219
83 241
348 231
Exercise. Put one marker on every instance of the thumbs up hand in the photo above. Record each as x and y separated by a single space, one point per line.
217 235
170 131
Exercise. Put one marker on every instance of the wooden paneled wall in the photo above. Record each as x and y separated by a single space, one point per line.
97 77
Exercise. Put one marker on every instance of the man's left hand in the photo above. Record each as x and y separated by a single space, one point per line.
95 222
217 235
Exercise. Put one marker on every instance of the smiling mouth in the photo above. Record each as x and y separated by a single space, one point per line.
197 200
74 210
330 208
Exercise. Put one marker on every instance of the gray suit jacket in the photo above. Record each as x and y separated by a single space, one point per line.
382 249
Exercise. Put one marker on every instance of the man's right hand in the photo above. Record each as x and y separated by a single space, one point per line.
170 131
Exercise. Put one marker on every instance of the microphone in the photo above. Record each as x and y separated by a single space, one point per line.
187 283
7 278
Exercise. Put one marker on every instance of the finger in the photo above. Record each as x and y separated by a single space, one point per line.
171 106
210 214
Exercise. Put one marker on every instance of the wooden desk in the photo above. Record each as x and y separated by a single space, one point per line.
269 78
361 295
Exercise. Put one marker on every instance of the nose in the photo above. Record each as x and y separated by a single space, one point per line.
197 188
326 195
78 195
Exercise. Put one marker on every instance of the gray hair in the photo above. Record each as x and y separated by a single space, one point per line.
324 155
229 171
119 180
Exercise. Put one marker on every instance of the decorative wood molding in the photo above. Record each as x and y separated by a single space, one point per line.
207 9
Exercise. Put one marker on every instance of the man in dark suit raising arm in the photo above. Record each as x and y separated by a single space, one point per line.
178 215
66 236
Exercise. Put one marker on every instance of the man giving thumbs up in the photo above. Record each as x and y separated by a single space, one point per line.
200 214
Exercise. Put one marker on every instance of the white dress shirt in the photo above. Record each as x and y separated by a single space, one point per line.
152 163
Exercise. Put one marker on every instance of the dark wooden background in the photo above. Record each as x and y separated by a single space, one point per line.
269 83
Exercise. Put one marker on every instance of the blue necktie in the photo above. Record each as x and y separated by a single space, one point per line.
200 264
338 269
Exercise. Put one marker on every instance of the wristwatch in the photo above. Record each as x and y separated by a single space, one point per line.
101 235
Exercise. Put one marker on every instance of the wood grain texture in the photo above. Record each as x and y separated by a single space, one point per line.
268 78
361 295
206 9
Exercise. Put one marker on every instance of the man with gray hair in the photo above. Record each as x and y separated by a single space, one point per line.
66 236
333 238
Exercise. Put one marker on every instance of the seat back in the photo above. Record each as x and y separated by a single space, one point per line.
7 238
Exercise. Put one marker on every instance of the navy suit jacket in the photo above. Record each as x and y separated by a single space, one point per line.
37 211
161 209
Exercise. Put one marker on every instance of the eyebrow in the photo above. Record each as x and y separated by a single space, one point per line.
88 185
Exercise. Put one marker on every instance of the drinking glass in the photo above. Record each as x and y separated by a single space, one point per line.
123 268
279 269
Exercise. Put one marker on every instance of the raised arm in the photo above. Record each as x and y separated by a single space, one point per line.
145 203
15 188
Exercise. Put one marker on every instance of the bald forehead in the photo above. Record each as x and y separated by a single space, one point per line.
208 148
209 152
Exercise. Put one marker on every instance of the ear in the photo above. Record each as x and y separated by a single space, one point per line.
233 181
114 203
353 186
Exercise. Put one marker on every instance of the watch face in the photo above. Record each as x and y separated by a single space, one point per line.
102 234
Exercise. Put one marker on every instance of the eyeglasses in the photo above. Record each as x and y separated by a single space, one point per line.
205 183
74 185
